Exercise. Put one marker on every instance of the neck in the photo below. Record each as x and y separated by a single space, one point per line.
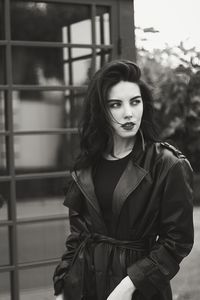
121 148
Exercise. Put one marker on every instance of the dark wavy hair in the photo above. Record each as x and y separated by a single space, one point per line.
95 128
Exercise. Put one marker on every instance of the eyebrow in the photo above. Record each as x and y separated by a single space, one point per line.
136 97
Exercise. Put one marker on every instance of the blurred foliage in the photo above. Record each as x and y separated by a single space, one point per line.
177 96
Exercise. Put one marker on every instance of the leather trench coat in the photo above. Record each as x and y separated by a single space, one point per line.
152 228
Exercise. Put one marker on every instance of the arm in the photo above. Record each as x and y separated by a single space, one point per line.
153 273
77 225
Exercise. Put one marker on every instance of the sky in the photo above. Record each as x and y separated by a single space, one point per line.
176 21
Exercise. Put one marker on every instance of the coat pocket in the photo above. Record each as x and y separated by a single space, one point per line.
73 280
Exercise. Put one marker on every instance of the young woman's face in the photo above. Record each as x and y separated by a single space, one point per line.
126 108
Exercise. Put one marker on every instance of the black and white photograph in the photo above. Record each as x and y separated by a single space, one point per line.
99 150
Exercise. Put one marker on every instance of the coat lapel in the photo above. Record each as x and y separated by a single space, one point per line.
130 179
85 183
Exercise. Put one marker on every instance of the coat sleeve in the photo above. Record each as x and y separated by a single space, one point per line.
77 226
175 239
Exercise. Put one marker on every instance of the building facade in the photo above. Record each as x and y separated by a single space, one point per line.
48 52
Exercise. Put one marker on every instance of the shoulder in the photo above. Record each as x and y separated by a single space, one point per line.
169 155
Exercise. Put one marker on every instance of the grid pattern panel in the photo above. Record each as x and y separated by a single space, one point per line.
44 73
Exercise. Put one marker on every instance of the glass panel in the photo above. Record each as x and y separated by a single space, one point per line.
36 283
43 110
3 160
4 200
102 56
4 247
40 197
50 67
73 108
1 21
2 111
5 286
43 21
81 71
78 64
42 241
103 25
81 32
2 63
52 110
41 66
37 153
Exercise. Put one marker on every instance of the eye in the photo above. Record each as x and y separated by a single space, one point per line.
135 101
114 104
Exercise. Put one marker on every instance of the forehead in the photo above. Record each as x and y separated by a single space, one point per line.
124 90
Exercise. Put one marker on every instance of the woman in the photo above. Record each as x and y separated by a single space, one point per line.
129 199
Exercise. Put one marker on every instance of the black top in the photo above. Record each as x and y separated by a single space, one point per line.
106 177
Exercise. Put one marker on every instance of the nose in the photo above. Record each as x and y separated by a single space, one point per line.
128 113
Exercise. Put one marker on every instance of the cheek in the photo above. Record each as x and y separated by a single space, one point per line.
140 113
115 115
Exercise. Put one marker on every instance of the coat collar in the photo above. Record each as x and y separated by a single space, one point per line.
128 182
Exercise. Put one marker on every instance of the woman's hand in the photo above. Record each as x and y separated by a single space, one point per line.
60 297
124 290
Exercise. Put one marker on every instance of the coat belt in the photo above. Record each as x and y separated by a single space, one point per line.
137 245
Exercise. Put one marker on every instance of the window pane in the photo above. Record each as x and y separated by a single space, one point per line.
77 66
2 111
1 21
3 159
4 248
103 56
41 66
103 25
36 283
42 241
4 200
40 197
73 108
81 32
2 63
81 71
50 66
5 286
46 21
38 153
42 110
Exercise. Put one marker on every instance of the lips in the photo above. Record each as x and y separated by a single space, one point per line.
128 125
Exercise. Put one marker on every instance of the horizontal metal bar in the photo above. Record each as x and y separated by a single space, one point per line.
3 42
4 178
58 45
29 176
48 132
6 223
17 87
37 264
29 265
3 87
4 269
41 132
73 59
5 133
42 219
41 175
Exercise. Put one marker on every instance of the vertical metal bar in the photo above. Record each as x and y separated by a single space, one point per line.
11 157
93 66
134 39
102 39
71 92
